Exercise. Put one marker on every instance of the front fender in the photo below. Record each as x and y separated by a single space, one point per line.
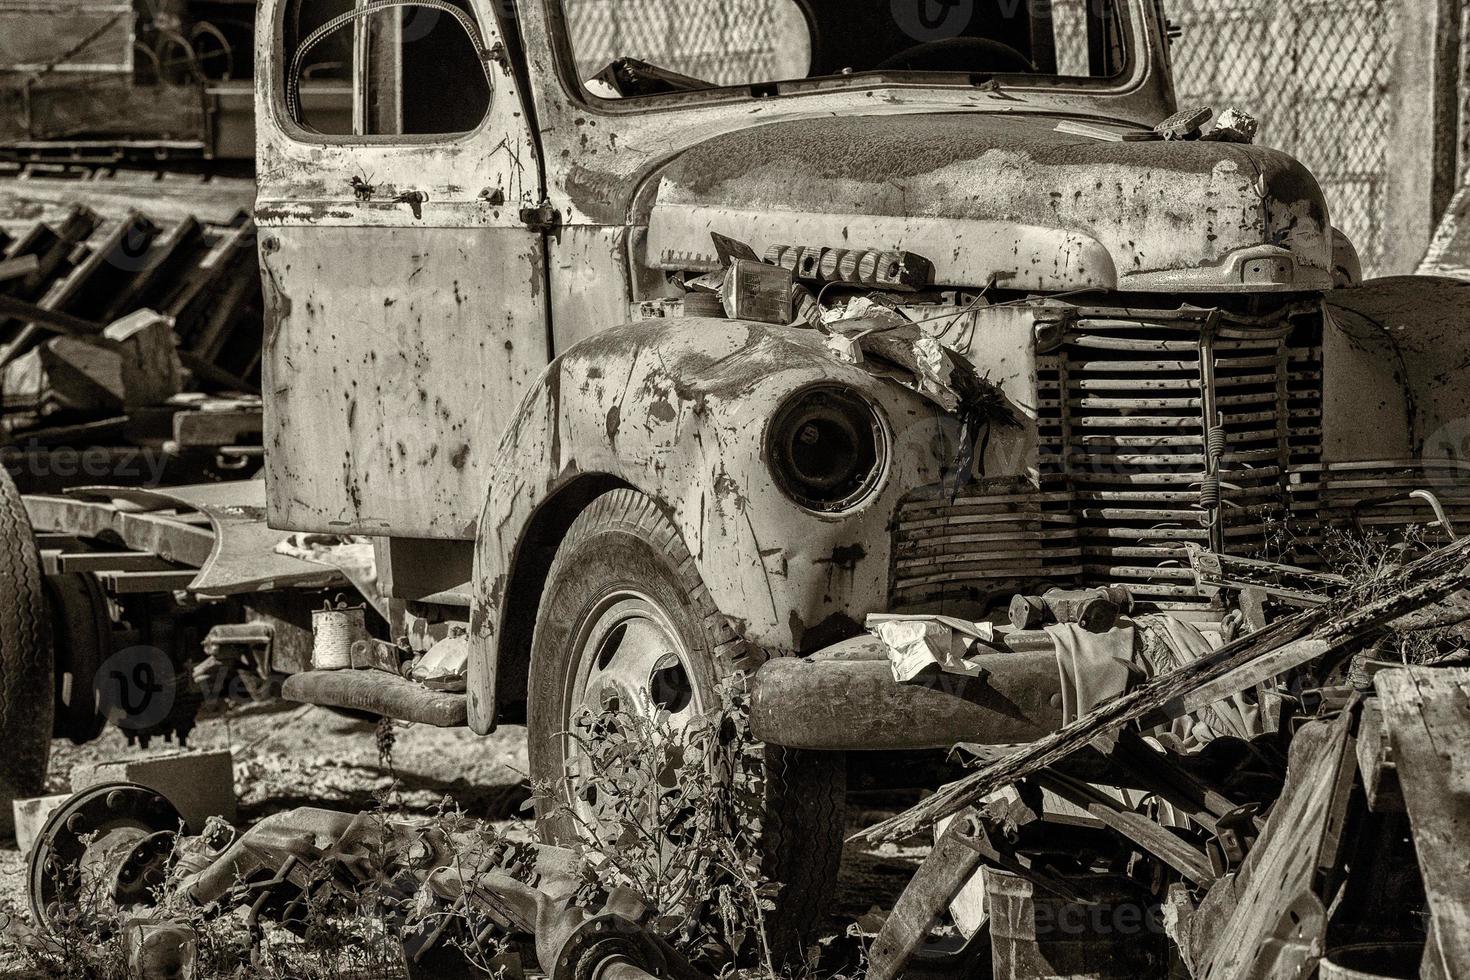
1407 389
678 409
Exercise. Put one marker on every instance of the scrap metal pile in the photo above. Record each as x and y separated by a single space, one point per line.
466 902
1129 844
127 332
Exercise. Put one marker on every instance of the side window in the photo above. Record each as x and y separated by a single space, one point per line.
406 68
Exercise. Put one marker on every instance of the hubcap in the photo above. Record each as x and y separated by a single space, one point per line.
629 659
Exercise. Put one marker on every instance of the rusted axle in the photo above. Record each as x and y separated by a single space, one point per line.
845 699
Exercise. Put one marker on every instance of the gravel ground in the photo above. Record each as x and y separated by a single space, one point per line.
288 756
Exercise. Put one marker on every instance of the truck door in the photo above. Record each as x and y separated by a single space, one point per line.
406 315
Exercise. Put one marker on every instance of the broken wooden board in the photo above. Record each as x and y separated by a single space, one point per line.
950 866
1427 713
169 201
1376 763
1268 920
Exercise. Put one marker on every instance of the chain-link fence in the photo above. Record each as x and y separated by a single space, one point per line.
724 43
1318 75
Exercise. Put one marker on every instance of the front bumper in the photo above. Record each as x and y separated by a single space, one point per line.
844 698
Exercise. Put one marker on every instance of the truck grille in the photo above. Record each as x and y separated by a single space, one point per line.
1122 486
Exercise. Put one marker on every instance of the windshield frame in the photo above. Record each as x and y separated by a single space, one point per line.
1136 70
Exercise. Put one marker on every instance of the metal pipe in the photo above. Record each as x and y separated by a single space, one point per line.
847 700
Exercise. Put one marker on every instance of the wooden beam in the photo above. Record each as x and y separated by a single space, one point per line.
1291 875
1376 761
1146 834
241 427
167 538
948 868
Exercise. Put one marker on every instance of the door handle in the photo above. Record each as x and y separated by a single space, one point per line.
415 201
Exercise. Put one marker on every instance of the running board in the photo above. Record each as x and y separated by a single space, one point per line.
378 693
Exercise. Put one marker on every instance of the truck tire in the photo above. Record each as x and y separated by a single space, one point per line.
81 640
623 572
26 667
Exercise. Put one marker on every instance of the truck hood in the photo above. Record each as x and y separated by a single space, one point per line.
1011 198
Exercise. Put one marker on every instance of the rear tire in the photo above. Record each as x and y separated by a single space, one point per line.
81 639
26 663
623 558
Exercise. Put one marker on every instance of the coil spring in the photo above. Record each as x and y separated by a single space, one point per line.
1209 493
1217 440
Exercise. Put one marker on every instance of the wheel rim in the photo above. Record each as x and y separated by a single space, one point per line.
628 657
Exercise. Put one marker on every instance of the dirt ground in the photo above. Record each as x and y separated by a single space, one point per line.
288 756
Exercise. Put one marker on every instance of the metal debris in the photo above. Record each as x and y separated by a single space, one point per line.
1234 126
1186 124
1248 862
917 643
455 888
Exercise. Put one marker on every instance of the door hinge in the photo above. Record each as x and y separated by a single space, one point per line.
500 56
543 218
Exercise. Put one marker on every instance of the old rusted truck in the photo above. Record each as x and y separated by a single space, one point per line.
488 348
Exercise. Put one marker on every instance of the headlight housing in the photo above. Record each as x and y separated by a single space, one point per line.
827 447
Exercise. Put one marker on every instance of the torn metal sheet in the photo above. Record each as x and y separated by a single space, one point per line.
242 556
1422 318
917 643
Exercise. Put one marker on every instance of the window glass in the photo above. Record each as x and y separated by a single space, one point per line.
628 48
409 71
721 42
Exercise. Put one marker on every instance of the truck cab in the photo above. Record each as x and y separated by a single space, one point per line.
491 345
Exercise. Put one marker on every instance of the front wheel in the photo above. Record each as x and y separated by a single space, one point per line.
626 624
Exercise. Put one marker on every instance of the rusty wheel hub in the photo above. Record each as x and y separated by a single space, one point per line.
106 849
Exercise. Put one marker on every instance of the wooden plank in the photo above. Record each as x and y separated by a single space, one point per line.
82 295
1270 920
197 293
15 268
54 250
109 561
74 518
1427 712
947 869
113 262
58 542
168 539
91 520
170 256
1376 761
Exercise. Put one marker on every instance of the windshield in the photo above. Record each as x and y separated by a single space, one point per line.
651 47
